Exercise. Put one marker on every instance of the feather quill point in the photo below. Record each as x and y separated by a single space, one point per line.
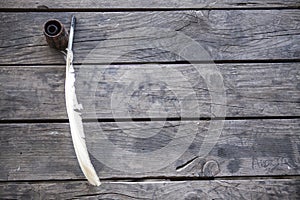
74 115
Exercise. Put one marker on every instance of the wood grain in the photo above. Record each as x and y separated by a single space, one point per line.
253 158
245 148
224 34
150 91
154 4
185 190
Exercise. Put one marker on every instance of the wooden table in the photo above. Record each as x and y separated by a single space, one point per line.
256 52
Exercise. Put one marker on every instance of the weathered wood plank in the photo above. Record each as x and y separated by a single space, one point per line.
245 148
219 189
224 34
154 4
125 91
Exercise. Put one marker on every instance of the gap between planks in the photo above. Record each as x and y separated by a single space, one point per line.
46 5
46 121
159 179
82 10
62 65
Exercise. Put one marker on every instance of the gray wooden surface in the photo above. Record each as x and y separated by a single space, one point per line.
225 34
141 100
154 4
221 189
252 90
245 148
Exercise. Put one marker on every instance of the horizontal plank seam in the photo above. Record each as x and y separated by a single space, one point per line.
32 121
165 178
170 63
141 9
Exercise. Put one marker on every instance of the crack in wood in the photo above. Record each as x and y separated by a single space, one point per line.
186 164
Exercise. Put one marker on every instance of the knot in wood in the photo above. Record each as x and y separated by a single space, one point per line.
211 168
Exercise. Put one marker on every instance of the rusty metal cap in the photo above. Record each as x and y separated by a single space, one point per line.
56 34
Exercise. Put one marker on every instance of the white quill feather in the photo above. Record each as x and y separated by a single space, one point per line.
75 120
